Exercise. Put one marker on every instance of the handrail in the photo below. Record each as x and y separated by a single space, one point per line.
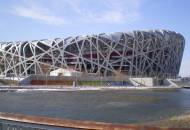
68 123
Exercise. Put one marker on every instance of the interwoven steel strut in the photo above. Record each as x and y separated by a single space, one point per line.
138 53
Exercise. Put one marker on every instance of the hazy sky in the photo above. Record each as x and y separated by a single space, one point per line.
42 19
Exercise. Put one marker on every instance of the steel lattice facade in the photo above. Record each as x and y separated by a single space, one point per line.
138 53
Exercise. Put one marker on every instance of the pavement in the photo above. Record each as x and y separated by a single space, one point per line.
78 88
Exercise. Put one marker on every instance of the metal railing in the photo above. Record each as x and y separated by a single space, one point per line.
10 126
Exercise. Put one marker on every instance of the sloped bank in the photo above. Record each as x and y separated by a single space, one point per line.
182 121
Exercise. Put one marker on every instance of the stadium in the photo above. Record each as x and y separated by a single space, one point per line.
154 53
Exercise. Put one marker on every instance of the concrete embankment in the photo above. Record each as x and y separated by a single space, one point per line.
182 121
77 124
84 88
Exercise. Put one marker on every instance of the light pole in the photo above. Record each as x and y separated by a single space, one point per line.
46 74
46 79
75 82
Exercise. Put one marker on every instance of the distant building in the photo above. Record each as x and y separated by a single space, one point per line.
65 72
156 53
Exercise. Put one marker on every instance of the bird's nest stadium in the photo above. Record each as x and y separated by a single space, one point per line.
154 53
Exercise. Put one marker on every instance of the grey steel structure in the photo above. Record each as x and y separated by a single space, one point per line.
155 53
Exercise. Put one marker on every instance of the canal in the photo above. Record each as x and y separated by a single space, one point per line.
115 106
